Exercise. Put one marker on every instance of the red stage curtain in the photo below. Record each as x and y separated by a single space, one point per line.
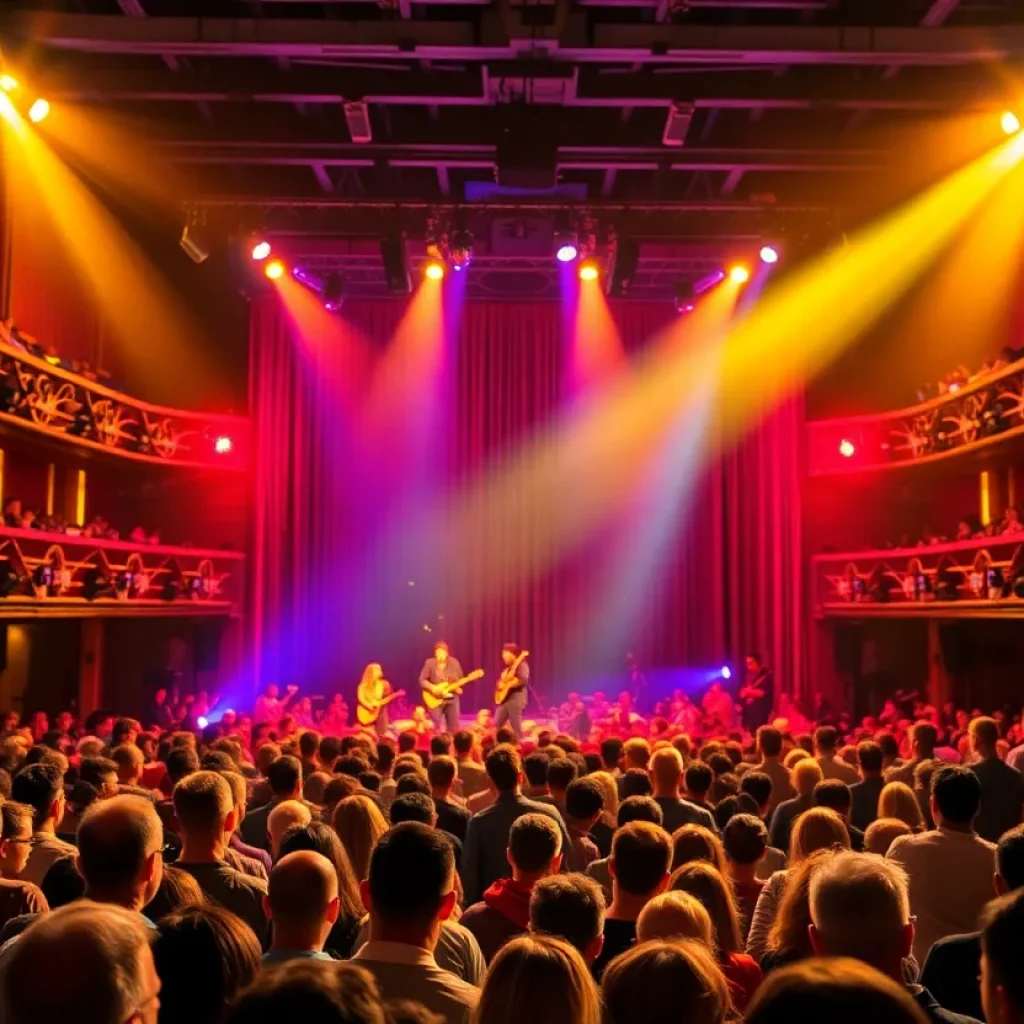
730 579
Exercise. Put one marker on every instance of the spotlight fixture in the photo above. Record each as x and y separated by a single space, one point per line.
274 269
8 83
769 254
434 270
726 672
333 292
193 241
460 249
260 249
396 266
589 269
223 445
677 124
566 247
39 111
847 449
739 274
685 298
1010 122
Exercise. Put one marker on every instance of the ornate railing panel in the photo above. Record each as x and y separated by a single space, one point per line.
40 396
59 569
980 572
979 414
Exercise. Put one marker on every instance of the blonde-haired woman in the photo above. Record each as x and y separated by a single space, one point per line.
675 915
702 881
540 979
605 826
665 983
817 829
897 800
359 824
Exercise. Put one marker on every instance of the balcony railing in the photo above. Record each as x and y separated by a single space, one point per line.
983 576
40 396
60 574
980 414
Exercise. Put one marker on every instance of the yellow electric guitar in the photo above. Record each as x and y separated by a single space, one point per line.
440 692
369 713
508 680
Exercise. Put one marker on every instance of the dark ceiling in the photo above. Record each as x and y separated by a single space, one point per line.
797 114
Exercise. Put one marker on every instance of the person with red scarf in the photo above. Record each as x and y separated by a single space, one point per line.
534 852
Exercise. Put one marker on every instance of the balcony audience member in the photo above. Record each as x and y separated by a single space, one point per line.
953 850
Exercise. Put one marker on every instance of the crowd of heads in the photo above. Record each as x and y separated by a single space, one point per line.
158 877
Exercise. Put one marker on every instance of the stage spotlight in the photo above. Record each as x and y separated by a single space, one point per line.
260 250
202 721
846 449
8 83
333 292
223 445
1010 122
726 672
566 248
274 269
589 270
739 274
461 249
684 297
193 242
434 270
769 254
38 111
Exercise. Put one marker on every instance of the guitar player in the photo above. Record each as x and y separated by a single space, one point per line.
371 693
442 668
510 711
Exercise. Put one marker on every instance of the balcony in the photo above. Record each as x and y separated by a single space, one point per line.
48 400
985 413
66 576
978 578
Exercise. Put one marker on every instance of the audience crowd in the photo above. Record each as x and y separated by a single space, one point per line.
246 874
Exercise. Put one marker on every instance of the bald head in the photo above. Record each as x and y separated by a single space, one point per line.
119 850
106 971
302 901
282 817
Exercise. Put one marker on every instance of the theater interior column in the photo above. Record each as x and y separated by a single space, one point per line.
90 667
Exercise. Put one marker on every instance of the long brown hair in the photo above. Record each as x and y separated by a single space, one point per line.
820 828
541 979
705 881
897 800
359 824
695 842
789 932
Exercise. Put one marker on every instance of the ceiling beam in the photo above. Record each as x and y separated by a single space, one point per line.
939 90
474 156
488 39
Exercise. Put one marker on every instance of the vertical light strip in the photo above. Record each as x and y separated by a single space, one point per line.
984 498
1011 488
51 486
2 468
80 498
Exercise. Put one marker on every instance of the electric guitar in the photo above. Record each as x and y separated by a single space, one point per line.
369 713
508 679
440 692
